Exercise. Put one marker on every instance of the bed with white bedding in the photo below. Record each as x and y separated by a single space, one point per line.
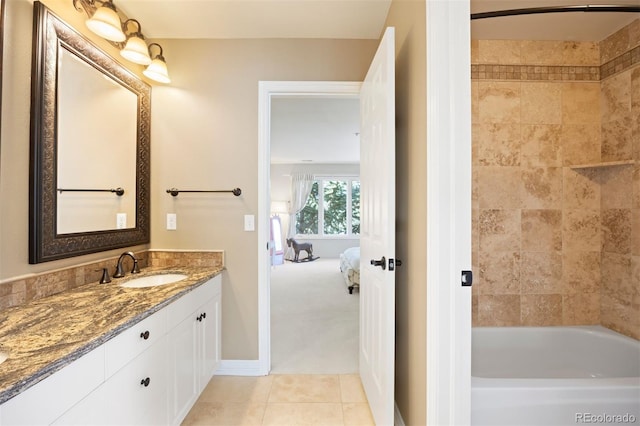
350 267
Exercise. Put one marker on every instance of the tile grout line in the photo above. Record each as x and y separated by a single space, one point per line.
266 403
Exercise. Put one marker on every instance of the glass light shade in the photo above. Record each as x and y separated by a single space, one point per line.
136 51
157 71
106 23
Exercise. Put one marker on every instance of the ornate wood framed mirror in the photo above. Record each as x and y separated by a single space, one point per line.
74 152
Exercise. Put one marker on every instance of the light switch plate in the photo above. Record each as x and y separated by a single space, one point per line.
249 222
172 222
121 220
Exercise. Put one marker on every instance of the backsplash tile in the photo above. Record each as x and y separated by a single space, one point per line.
191 258
24 290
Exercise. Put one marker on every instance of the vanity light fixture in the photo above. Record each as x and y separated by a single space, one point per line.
105 22
157 69
135 50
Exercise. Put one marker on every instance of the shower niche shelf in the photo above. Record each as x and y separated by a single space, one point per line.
603 164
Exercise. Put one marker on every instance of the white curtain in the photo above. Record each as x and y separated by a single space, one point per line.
301 184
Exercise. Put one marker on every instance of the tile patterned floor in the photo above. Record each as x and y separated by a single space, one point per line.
282 400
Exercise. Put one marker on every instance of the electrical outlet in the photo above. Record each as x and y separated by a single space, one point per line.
121 220
172 222
249 222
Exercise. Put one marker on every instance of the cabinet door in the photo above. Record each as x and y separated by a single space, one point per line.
183 363
44 402
132 396
209 341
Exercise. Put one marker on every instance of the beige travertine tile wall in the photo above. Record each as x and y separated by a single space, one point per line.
620 186
545 234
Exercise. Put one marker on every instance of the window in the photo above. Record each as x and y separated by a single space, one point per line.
332 209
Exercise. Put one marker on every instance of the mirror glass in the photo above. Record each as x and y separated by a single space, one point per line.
90 126
96 149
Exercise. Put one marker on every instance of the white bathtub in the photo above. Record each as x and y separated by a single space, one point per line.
554 376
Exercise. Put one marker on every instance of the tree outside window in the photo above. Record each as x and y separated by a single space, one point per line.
339 199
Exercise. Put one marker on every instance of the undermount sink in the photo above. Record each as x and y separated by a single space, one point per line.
153 280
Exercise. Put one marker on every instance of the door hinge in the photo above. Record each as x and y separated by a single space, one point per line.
467 278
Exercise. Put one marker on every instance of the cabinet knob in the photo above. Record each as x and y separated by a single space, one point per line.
204 315
145 382
145 335
199 318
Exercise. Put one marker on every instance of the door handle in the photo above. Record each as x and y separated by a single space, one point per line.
382 262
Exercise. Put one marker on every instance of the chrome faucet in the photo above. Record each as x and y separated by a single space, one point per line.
119 271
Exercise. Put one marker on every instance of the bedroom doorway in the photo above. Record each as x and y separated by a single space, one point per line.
314 162
268 91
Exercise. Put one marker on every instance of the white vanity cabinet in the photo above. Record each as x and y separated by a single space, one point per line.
194 351
150 374
132 396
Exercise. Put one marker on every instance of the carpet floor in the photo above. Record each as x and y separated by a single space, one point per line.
314 319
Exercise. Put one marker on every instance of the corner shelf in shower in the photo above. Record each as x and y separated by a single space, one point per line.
603 164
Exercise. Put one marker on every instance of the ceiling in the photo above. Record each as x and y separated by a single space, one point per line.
329 125
355 19
318 130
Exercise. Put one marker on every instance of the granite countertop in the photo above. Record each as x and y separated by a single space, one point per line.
43 336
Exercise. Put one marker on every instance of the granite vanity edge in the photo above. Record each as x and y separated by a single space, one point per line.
58 364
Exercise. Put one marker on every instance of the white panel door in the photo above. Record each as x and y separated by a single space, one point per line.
377 232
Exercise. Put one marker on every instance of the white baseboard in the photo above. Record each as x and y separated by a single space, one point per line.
397 416
232 367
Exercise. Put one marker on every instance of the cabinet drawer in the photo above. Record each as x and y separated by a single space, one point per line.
45 401
124 399
133 341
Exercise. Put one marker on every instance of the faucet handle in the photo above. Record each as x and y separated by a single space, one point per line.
105 276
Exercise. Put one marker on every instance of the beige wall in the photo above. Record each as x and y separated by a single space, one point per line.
553 244
409 20
204 136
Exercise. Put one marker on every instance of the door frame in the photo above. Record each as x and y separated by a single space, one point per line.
268 90
449 177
